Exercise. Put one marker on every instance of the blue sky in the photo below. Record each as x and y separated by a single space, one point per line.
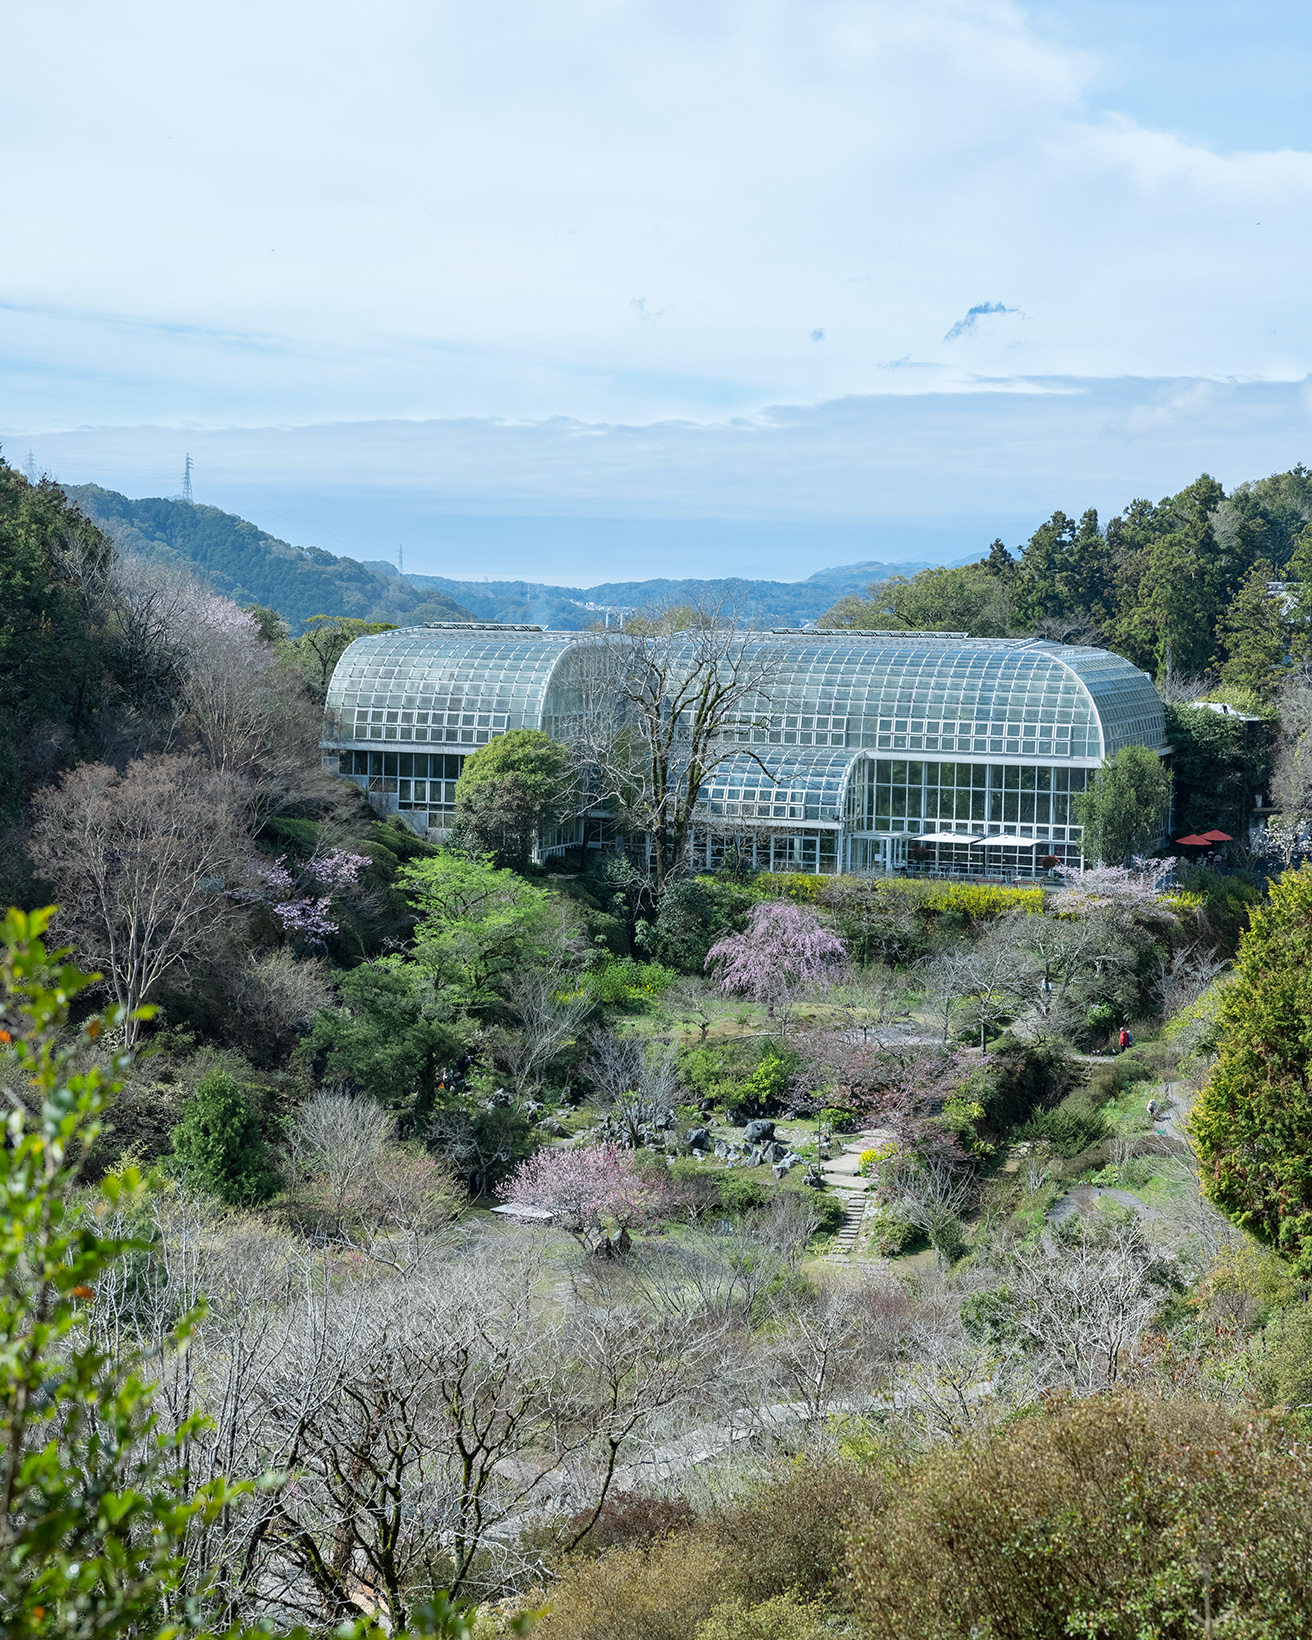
603 287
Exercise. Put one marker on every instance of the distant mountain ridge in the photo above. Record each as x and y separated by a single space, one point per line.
783 603
245 563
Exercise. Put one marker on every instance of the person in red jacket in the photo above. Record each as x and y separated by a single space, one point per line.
1125 1040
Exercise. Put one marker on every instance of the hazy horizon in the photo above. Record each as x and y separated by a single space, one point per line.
727 287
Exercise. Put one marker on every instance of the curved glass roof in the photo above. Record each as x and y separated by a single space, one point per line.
882 691
447 684
937 693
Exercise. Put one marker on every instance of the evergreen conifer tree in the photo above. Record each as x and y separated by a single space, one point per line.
1255 631
218 1146
1252 1124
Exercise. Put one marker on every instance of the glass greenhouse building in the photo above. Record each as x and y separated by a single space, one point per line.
873 750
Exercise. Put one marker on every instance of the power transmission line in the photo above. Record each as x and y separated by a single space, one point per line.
186 480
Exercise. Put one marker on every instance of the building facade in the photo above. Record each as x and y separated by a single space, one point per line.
873 750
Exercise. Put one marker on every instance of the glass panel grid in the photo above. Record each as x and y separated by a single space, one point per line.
917 721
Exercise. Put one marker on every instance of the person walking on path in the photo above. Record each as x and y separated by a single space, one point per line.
1125 1040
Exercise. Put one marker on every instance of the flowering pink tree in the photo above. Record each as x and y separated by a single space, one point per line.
784 948
307 916
589 1190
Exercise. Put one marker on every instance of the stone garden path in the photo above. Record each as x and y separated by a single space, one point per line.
843 1176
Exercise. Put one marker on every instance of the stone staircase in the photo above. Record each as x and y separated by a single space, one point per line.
854 1204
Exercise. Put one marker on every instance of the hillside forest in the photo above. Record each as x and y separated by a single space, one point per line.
240 561
403 1239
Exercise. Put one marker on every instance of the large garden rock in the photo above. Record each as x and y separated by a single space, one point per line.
699 1139
757 1130
553 1127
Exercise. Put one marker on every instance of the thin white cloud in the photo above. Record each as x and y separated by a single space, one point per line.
448 213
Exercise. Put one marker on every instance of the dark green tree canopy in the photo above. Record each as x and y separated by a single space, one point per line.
1254 633
218 1146
393 1037
57 647
322 643
1219 760
510 791
972 598
1252 1124
1065 570
1177 586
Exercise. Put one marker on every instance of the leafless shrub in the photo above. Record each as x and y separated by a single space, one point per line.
1080 1299
1291 775
1183 688
871 996
358 1187
1034 1170
825 1356
721 1270
276 997
637 1083
196 667
338 1141
692 997
932 1195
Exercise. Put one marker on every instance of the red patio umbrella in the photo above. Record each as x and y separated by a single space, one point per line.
1217 837
1194 842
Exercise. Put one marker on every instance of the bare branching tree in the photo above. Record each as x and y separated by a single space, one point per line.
952 1382
1082 1298
336 1142
1291 776
637 1083
195 664
356 1186
932 1195
1183 688
1288 837
139 863
276 996
1184 976
825 1355
996 971
721 1272
548 1019
661 709
948 978
1066 961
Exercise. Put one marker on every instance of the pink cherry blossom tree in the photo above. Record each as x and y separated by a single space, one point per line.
588 1191
306 916
783 949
